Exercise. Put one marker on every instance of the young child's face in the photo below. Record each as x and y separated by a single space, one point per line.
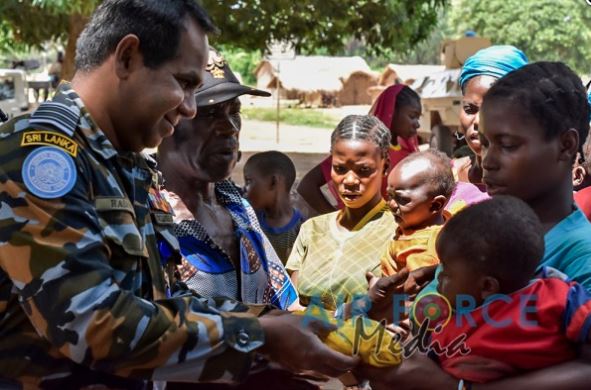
406 121
409 195
257 187
457 282
517 159
357 171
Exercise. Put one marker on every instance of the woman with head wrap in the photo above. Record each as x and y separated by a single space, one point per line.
399 108
478 74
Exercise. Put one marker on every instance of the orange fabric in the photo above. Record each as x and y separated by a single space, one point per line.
412 251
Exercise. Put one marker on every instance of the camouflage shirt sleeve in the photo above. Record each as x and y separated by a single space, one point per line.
69 284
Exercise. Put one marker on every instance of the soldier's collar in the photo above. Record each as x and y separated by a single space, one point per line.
60 113
97 140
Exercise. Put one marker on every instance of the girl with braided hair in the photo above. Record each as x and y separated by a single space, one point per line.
399 109
333 251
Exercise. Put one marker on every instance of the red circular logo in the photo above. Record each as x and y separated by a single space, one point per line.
432 307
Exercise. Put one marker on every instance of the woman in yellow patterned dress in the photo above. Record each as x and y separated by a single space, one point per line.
334 251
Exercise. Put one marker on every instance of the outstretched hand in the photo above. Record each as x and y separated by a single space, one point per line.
294 342
381 293
418 279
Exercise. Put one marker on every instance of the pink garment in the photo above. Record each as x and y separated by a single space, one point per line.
465 194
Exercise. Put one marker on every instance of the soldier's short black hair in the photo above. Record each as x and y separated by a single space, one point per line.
552 94
274 163
157 23
501 237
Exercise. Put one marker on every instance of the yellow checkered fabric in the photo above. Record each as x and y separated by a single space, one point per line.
332 261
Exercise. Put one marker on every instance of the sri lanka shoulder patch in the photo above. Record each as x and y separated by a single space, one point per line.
49 172
50 138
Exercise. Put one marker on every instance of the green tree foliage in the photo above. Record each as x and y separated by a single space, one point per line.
378 29
33 22
382 25
552 30
316 24
242 61
8 43
428 51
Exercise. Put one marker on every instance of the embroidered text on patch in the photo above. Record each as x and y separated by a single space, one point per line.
49 172
50 138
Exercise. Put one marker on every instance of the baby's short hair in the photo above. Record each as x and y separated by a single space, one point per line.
274 163
501 237
441 175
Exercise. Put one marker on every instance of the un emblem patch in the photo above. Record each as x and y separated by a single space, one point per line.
49 172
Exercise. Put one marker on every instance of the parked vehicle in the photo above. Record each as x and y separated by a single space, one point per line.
441 95
13 92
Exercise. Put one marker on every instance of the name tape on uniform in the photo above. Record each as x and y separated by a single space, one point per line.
113 204
52 139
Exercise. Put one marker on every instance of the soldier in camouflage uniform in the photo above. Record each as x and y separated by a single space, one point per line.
83 296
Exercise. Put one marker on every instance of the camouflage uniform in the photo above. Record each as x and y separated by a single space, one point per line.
83 295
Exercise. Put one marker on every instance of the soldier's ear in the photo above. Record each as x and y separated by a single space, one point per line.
127 56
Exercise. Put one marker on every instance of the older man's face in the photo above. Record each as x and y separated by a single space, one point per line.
210 140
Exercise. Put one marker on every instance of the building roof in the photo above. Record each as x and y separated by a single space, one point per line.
410 72
312 73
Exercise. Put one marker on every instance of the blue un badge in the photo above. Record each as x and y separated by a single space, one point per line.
49 172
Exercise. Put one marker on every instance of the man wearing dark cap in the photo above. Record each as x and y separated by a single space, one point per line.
84 301
220 84
225 253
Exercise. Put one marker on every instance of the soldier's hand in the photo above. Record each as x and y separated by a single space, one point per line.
294 342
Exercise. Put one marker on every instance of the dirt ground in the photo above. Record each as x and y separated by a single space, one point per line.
306 146
302 161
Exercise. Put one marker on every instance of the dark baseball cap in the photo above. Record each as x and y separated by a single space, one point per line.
220 84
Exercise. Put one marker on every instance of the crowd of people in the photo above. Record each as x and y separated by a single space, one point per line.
120 269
